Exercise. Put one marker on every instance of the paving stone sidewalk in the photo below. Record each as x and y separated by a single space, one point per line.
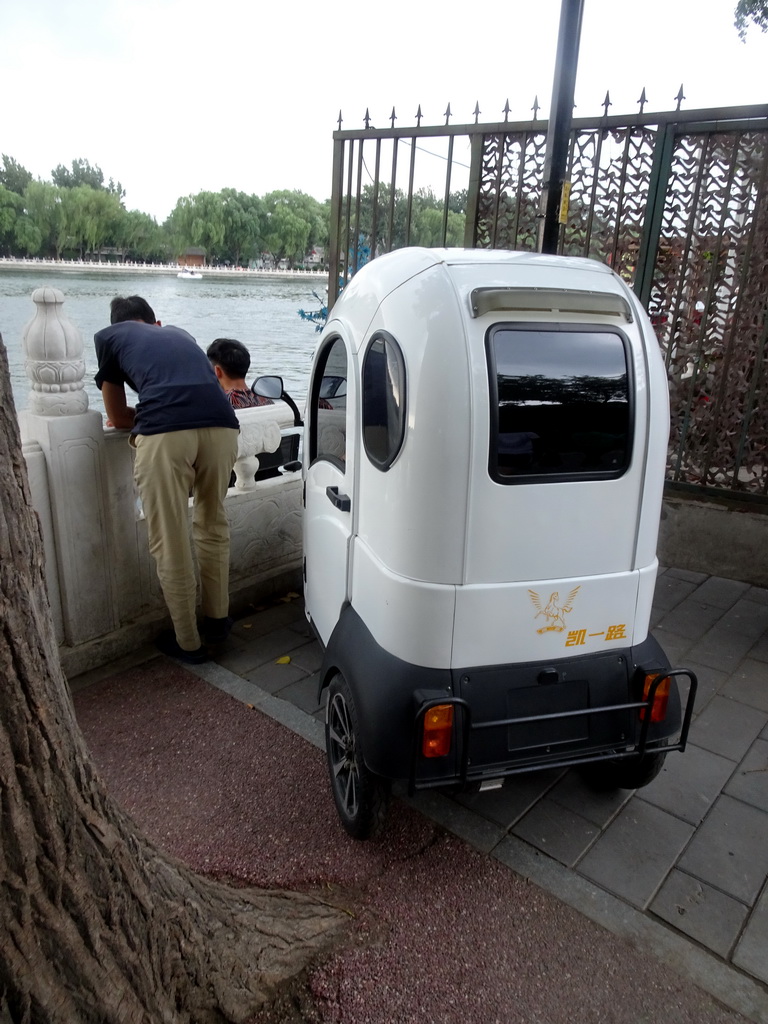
681 865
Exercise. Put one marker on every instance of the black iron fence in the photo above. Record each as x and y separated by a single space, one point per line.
675 202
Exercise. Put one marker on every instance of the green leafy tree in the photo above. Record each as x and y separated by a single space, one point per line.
324 225
91 217
428 220
74 216
390 214
27 238
457 201
427 216
294 219
78 211
199 221
11 206
13 176
287 235
233 227
140 238
751 11
173 230
41 228
244 223
104 216
116 189
81 173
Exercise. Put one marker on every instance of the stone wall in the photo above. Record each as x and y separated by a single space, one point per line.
716 538
104 592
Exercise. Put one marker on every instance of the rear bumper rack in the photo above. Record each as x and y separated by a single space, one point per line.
521 765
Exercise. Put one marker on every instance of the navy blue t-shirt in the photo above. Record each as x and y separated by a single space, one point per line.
175 382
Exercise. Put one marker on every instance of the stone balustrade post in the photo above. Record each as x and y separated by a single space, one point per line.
71 439
257 435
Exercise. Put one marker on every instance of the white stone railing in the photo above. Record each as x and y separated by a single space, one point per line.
102 584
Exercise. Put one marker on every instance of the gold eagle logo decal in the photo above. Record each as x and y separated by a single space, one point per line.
553 610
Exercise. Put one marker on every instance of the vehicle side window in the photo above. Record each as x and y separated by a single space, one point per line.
328 404
560 403
383 400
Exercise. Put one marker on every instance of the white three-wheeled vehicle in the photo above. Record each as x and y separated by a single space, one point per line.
484 455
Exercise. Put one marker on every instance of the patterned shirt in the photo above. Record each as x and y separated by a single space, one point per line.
241 399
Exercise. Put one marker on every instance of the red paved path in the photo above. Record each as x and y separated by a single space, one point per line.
442 934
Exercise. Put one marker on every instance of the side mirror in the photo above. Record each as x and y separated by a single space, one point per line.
272 387
268 387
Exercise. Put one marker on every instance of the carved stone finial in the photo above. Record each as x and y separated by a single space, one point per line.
53 358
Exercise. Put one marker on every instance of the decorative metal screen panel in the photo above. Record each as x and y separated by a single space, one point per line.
710 300
676 203
509 189
610 174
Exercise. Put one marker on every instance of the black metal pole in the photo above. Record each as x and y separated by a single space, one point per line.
559 128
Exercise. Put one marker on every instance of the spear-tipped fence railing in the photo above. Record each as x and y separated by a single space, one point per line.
675 201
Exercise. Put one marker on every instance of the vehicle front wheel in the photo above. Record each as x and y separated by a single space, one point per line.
624 773
361 797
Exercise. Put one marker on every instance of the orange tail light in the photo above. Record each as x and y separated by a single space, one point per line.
438 729
660 698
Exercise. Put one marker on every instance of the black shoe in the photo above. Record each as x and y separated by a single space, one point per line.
216 631
166 643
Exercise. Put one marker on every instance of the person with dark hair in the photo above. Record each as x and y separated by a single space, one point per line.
134 307
185 433
231 360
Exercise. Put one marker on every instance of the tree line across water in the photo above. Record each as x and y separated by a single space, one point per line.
76 214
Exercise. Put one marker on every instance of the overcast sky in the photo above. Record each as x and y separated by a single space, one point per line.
174 97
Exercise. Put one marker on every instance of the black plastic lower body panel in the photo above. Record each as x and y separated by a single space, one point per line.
507 718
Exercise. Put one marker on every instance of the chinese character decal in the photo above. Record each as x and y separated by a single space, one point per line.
576 637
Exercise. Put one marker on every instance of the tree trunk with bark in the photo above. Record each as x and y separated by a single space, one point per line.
97 924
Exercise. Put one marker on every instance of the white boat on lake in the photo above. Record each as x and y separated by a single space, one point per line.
189 275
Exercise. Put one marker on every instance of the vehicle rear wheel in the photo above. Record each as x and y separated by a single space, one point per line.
626 773
361 797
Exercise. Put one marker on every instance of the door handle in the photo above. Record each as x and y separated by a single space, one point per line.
341 501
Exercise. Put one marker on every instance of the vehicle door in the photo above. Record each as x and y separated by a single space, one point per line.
329 485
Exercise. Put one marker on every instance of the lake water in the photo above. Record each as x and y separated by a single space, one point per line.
260 312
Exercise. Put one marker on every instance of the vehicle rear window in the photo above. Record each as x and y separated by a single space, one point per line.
560 403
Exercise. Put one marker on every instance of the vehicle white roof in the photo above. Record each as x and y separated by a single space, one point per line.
470 269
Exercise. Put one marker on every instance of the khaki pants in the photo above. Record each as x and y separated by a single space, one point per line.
168 467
